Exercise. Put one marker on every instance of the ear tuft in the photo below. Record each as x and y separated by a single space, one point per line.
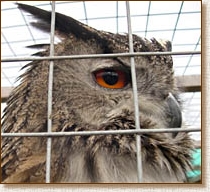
63 23
166 44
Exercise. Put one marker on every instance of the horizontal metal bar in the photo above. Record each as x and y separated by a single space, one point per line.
14 59
107 132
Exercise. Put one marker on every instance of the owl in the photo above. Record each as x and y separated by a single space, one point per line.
95 94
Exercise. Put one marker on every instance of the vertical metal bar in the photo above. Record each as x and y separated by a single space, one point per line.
148 12
85 11
117 17
175 27
50 87
135 95
189 61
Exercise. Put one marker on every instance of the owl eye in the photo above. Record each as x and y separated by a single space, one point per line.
111 78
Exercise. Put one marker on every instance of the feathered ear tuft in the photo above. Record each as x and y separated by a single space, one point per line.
63 23
67 26
161 45
166 44
38 46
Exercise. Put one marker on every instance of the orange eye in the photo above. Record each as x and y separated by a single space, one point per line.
110 78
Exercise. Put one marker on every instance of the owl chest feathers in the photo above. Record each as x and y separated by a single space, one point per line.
107 167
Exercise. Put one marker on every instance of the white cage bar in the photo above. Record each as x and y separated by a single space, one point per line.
135 95
50 93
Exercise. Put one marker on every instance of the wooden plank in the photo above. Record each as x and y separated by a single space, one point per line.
5 92
190 83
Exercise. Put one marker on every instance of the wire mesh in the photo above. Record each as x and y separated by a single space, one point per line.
131 54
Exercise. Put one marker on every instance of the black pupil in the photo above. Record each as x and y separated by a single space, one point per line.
110 77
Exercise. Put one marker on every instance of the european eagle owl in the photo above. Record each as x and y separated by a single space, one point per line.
89 95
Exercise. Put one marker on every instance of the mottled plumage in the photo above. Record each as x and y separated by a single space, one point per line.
81 103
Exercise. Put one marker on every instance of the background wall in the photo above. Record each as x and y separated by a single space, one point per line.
151 188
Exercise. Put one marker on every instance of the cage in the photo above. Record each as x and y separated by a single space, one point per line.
179 22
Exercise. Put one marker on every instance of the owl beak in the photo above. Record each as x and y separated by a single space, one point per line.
174 112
